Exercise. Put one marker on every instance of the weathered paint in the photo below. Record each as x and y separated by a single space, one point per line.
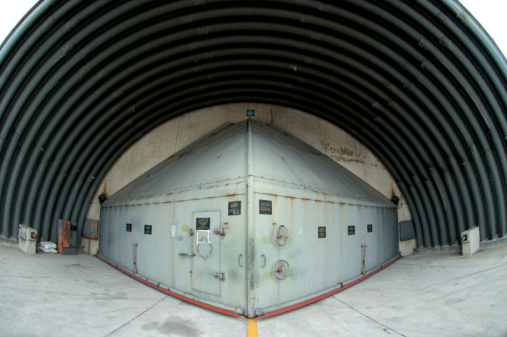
233 260
319 133
91 230
319 265
63 236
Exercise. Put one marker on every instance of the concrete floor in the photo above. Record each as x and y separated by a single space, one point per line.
423 294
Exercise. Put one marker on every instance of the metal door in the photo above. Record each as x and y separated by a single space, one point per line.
206 275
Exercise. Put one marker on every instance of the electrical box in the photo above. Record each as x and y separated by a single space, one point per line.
407 231
67 238
27 239
470 241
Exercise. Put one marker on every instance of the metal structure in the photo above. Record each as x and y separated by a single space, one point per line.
419 82
249 221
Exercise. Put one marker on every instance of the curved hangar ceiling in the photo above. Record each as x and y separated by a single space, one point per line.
419 82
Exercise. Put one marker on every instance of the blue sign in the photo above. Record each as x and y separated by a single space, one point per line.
250 113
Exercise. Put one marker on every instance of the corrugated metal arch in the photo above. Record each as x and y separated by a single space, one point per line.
419 82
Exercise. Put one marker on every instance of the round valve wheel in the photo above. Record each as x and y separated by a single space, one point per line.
282 269
281 235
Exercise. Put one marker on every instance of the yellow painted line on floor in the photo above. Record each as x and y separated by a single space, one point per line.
252 328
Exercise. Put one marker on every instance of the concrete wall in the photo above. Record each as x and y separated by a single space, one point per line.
179 132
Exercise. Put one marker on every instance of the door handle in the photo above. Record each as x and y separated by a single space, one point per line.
240 257
264 260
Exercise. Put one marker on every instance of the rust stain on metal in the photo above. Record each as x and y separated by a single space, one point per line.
64 236
301 218
60 240
305 204
94 231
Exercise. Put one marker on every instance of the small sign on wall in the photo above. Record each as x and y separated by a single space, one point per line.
352 230
234 207
128 228
147 229
322 232
250 113
202 224
370 228
265 207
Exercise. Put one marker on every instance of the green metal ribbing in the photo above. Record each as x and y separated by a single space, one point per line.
417 82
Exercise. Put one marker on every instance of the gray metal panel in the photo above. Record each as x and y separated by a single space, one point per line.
275 156
318 264
280 157
236 269
166 255
91 229
207 247
217 158
407 230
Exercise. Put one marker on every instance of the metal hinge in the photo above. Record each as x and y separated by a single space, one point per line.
220 276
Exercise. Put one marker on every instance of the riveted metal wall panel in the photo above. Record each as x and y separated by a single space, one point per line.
169 256
317 264
280 234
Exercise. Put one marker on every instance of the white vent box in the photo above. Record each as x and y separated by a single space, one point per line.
27 239
470 241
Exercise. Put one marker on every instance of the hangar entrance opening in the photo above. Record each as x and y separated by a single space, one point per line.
249 221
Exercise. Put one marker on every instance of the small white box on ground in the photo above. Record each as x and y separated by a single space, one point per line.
48 247
470 241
